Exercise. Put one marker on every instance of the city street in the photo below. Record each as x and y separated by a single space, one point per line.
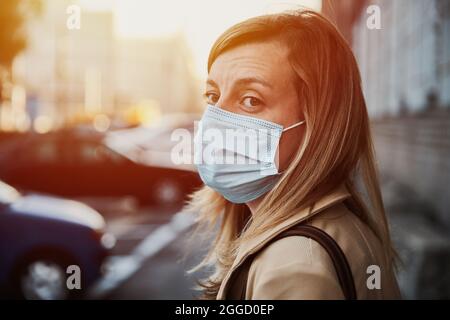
151 255
115 114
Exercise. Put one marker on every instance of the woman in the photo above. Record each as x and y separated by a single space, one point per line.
294 75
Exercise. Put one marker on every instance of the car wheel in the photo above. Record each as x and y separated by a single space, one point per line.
42 277
44 280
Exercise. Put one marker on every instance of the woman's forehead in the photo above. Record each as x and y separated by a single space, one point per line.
264 61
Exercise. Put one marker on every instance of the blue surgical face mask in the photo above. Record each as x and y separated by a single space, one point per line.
236 154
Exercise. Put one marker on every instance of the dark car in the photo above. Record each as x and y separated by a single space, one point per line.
77 164
41 237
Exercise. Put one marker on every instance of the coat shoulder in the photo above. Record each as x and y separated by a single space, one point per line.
297 267
294 267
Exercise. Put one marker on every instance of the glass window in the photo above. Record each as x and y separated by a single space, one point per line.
98 153
45 152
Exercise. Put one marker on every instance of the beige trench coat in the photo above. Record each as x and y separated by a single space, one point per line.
299 268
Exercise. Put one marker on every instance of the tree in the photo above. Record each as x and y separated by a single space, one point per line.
13 14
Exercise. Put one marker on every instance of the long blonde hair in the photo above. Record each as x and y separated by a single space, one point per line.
337 146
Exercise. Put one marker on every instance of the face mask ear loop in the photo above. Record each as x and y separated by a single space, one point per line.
289 128
294 126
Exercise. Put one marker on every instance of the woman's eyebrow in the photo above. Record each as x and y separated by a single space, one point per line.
242 82
249 80
211 83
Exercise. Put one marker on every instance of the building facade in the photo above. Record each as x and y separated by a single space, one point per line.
68 74
405 70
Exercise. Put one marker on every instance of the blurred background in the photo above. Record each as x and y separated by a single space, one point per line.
90 92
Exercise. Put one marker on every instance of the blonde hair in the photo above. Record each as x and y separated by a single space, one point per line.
337 145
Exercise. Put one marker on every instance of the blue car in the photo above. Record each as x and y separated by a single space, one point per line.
40 237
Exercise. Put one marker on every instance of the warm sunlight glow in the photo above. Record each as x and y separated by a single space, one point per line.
200 21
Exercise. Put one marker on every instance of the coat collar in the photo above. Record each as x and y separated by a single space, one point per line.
247 248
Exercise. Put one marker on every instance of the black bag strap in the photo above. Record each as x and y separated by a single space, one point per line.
336 254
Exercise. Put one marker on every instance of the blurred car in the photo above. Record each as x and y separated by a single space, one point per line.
40 236
77 164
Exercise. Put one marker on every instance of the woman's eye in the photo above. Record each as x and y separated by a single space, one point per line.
251 102
211 98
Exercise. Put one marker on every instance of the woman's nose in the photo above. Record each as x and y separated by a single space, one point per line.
224 103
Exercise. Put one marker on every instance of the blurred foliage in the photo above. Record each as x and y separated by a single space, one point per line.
13 14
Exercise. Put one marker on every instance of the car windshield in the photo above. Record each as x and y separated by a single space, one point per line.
8 194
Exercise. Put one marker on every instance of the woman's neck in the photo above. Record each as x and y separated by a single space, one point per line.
253 205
